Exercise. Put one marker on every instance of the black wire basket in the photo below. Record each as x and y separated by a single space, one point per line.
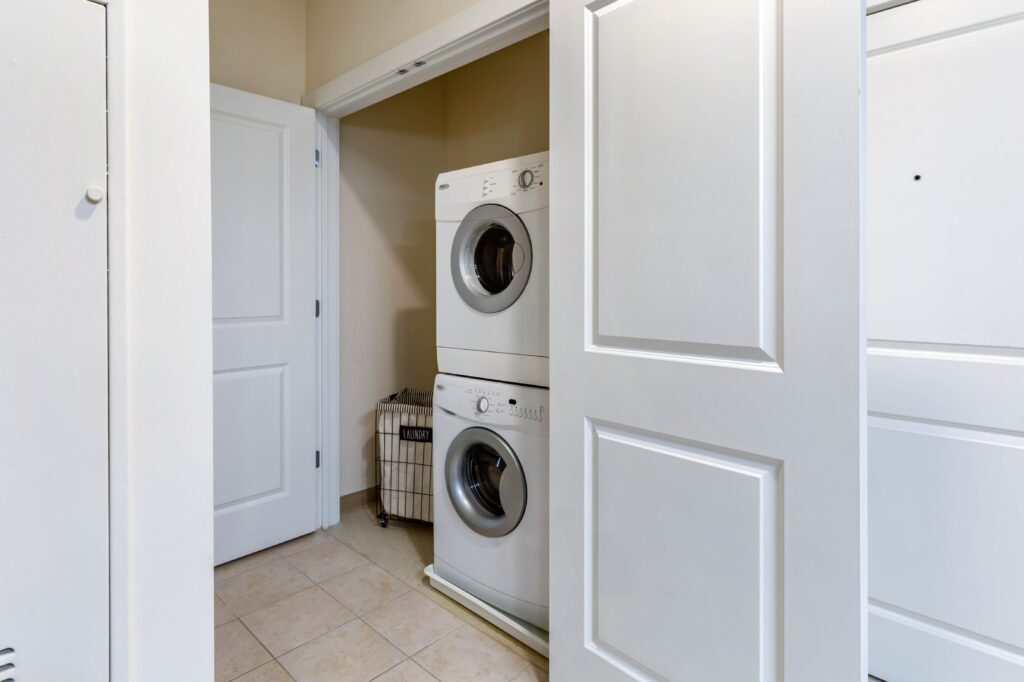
404 457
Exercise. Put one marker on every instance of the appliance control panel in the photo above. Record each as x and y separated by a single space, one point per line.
513 181
490 402
519 184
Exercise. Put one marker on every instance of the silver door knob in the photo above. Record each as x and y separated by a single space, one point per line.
94 195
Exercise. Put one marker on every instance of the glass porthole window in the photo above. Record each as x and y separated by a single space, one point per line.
491 258
486 483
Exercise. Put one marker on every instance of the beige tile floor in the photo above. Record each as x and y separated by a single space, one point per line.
351 603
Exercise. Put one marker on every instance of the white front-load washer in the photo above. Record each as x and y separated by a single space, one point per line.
491 493
492 270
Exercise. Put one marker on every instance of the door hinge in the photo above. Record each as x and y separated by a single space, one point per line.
317 459
318 307
316 158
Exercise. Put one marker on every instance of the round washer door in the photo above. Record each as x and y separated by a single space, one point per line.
491 258
485 482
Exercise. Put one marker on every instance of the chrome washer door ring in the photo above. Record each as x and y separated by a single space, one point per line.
485 482
491 258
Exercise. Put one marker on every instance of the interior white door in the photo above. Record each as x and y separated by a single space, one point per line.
264 322
707 520
946 341
53 380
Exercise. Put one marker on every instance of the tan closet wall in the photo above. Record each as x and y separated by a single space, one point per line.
497 107
391 153
342 34
259 46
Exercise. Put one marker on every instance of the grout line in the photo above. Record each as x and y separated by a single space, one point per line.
377 677
331 597
467 618
253 635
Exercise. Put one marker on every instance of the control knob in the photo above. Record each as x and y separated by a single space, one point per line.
482 405
525 178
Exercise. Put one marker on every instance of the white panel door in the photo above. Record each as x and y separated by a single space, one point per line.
53 381
946 341
264 322
707 466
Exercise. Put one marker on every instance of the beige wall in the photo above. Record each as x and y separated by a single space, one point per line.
342 34
285 48
391 153
260 46
497 107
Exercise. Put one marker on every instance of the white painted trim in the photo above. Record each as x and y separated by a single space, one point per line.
149 622
924 22
484 28
119 462
876 6
329 327
476 32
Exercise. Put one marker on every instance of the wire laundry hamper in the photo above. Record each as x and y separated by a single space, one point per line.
404 460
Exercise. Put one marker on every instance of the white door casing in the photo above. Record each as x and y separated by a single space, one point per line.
707 515
53 385
264 321
946 341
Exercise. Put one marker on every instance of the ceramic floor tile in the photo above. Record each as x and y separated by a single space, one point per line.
409 671
296 620
412 622
402 549
468 655
352 652
236 651
366 588
536 659
221 613
246 563
261 587
282 604
531 674
480 624
326 560
303 542
270 672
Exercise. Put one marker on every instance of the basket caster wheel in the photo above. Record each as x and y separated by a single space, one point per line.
383 522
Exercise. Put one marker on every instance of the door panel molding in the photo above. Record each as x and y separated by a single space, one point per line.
266 403
664 375
722 301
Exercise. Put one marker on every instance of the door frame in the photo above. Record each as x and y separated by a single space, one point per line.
160 476
483 28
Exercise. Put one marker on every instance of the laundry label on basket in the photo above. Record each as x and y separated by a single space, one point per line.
420 434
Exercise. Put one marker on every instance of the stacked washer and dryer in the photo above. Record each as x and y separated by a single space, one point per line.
490 400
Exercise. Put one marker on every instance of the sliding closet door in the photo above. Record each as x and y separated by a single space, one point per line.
53 378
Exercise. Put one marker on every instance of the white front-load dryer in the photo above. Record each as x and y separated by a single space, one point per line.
491 493
492 271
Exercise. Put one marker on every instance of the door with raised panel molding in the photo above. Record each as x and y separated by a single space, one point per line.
264 322
946 341
707 356
54 572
